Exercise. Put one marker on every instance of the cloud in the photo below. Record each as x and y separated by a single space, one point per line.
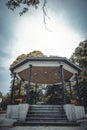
73 11
6 45
4 80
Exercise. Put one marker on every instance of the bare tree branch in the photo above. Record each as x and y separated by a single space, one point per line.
45 14
13 4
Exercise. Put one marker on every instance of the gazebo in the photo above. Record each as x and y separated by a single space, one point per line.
46 70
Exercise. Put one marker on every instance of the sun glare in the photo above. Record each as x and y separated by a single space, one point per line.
32 35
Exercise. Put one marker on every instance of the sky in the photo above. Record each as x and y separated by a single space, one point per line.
66 22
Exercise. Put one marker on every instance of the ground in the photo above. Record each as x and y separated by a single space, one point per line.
7 124
44 128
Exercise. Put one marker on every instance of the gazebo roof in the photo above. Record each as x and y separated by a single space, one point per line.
45 70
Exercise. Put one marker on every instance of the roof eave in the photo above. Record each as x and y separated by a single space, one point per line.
62 59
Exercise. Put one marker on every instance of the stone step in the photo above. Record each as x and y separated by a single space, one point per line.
58 123
46 123
44 106
46 114
46 118
45 111
47 108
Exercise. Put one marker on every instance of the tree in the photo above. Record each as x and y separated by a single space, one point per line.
5 101
13 4
54 95
18 59
30 54
26 4
1 94
23 84
36 54
80 57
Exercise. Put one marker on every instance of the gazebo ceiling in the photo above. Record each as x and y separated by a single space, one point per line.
45 75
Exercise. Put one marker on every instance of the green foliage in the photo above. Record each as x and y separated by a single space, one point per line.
5 101
80 57
35 54
13 4
31 54
80 54
1 95
53 94
21 57
53 56
18 59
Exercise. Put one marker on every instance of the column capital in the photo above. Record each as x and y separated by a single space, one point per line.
30 65
76 74
61 66
14 73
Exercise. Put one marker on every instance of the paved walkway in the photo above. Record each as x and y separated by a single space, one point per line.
43 128
7 124
6 121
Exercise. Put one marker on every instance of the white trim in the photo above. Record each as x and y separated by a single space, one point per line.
69 68
37 63
23 67
18 76
46 64
72 77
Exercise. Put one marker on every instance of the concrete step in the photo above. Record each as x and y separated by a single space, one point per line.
52 108
46 106
45 121
41 110
46 118
47 114
57 123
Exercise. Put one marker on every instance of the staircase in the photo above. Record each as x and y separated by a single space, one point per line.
46 115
